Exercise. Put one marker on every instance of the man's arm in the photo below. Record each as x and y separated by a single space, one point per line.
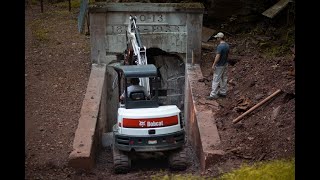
216 59
129 89
122 96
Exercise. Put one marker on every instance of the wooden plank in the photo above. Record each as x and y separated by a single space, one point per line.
276 8
208 45
207 33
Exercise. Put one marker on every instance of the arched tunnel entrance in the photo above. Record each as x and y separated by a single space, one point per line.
171 70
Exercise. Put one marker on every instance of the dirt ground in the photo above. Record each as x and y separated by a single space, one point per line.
57 68
269 131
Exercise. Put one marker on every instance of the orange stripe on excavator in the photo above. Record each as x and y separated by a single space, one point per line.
150 122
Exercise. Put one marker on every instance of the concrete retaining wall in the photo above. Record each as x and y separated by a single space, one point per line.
92 121
201 128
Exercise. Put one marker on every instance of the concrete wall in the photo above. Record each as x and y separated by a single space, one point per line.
112 98
92 120
172 27
202 131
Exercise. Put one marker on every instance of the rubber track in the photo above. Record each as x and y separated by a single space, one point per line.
121 161
178 160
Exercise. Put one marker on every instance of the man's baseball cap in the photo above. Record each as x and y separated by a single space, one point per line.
219 35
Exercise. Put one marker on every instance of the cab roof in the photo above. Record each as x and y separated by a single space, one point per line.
136 71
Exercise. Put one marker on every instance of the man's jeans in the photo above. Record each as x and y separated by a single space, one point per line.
220 77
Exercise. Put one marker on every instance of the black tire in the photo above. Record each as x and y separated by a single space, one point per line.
121 161
178 160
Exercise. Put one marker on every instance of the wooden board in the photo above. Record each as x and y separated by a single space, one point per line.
207 33
275 9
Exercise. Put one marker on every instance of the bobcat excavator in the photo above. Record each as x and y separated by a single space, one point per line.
144 126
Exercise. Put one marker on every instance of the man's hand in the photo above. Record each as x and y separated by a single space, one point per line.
216 59
213 66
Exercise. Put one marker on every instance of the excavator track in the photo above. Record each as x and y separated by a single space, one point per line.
121 161
178 160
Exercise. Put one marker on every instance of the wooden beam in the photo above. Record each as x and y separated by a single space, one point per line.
207 33
276 8
207 45
256 106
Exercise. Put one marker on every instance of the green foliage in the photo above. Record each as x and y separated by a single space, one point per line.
65 4
275 51
273 170
285 39
177 177
269 170
34 2
258 30
39 32
63 12
290 36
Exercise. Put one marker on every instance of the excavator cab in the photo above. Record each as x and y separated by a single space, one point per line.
138 99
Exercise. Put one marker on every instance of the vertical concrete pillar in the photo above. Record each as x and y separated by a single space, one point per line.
194 35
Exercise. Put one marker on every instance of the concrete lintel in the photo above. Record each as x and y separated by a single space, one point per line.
102 7
202 130
85 139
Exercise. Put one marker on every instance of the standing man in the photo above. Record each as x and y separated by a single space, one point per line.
219 66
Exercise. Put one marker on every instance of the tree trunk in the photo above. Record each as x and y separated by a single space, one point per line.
41 4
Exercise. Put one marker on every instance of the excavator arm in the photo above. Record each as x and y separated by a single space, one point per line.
139 51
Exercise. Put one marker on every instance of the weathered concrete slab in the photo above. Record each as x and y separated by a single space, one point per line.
86 139
202 130
275 9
